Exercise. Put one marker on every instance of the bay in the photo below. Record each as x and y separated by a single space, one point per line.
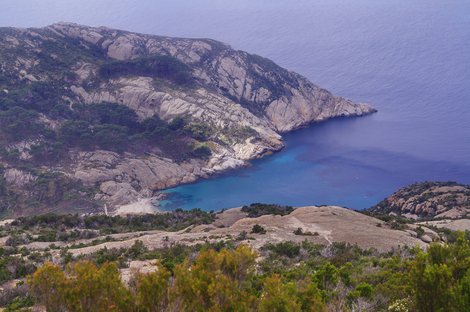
409 59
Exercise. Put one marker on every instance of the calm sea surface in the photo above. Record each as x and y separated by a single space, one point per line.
409 59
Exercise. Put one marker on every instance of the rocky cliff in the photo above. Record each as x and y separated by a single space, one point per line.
437 200
232 105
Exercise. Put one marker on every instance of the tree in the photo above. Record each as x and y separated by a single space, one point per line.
93 289
48 285
216 281
84 288
440 277
153 290
278 297
327 276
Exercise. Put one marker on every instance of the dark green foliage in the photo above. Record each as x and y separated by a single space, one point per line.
69 50
108 113
76 133
440 277
155 66
287 249
419 231
48 189
199 131
201 151
177 123
176 220
12 267
17 123
52 187
258 229
241 133
116 127
300 231
257 209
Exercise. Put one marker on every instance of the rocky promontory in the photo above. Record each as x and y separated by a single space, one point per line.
428 200
116 116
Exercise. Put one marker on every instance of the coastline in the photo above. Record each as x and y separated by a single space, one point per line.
162 194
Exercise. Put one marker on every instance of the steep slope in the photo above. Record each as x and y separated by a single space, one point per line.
443 200
119 115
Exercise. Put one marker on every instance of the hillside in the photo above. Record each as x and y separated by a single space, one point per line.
320 258
320 225
90 116
428 200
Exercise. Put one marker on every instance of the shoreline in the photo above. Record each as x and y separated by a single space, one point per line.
161 194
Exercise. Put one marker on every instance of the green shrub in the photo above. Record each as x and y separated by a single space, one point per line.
258 229
257 209
288 249
155 66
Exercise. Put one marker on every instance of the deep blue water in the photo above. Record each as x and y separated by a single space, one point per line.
409 59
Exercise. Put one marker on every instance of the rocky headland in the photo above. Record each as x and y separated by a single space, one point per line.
428 200
201 107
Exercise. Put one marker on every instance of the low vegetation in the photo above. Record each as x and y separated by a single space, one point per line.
257 209
68 228
155 66
289 277
258 229
44 124
107 126
222 275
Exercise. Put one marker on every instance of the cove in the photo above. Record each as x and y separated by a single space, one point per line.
321 165
408 59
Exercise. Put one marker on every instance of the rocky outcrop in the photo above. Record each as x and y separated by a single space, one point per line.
18 178
245 100
440 200
287 99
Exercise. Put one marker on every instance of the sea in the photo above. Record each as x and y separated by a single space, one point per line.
408 59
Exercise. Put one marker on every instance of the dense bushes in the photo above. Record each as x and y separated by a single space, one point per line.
155 66
290 277
84 288
258 229
440 277
108 126
48 188
214 281
13 267
116 127
17 123
175 220
287 277
257 209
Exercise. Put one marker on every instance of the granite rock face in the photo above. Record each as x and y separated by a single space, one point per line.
286 99
232 90
442 200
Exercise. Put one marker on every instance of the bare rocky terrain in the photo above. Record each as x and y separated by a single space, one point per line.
241 103
320 225
437 200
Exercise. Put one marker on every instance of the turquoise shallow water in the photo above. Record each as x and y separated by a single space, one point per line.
409 59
